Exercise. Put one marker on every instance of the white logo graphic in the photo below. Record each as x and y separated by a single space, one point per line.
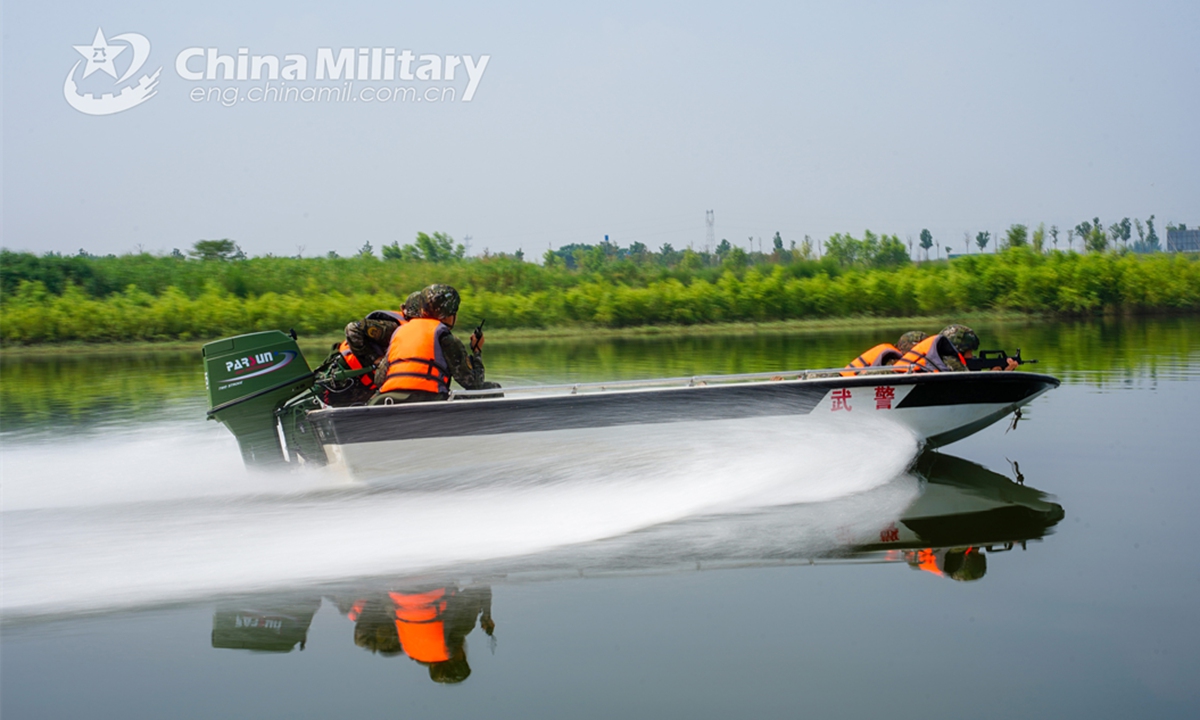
100 55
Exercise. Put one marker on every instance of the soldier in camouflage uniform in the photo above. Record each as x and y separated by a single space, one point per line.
441 302
368 340
966 342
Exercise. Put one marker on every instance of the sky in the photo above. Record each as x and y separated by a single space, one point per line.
621 119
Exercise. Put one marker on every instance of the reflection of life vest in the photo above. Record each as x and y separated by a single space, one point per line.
415 359
877 356
926 356
419 624
352 361
959 564
927 560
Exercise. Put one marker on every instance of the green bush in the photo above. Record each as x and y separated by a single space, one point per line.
144 297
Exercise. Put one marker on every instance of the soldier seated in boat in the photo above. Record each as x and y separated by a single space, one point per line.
368 338
948 351
423 355
365 345
885 353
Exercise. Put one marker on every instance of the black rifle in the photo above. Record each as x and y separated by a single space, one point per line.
478 335
989 359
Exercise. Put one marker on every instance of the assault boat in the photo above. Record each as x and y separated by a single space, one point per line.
261 388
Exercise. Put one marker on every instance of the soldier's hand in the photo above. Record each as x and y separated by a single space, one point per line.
476 342
1012 365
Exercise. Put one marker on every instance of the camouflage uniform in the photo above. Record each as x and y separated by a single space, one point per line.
413 305
368 338
439 302
964 340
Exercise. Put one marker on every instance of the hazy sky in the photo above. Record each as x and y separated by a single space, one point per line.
626 119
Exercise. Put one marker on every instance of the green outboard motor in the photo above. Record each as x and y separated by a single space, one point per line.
249 378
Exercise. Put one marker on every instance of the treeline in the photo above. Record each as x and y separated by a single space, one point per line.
144 297
222 264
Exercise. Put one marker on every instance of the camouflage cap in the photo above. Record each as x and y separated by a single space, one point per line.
439 302
909 340
412 305
961 337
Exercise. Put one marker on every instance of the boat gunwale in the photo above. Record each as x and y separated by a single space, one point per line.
696 383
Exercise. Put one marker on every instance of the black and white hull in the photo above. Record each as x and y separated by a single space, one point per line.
937 408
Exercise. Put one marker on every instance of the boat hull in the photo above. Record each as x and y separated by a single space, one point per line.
937 408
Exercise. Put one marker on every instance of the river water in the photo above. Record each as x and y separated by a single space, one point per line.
1039 571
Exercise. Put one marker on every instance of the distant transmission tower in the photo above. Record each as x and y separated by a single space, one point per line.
467 245
710 237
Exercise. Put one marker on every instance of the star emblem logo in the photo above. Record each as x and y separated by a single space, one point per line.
99 55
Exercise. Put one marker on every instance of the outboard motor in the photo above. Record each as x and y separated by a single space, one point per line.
249 379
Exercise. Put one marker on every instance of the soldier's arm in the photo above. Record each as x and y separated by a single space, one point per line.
485 609
368 339
465 367
375 352
954 363
355 337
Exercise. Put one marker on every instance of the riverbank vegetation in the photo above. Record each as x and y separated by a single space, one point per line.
219 291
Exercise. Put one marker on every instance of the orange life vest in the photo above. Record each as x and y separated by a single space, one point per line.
926 356
415 359
355 364
419 624
352 360
877 356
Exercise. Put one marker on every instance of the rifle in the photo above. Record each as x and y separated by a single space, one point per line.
477 336
989 359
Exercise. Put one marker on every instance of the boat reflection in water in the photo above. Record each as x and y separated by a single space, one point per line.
427 623
963 513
